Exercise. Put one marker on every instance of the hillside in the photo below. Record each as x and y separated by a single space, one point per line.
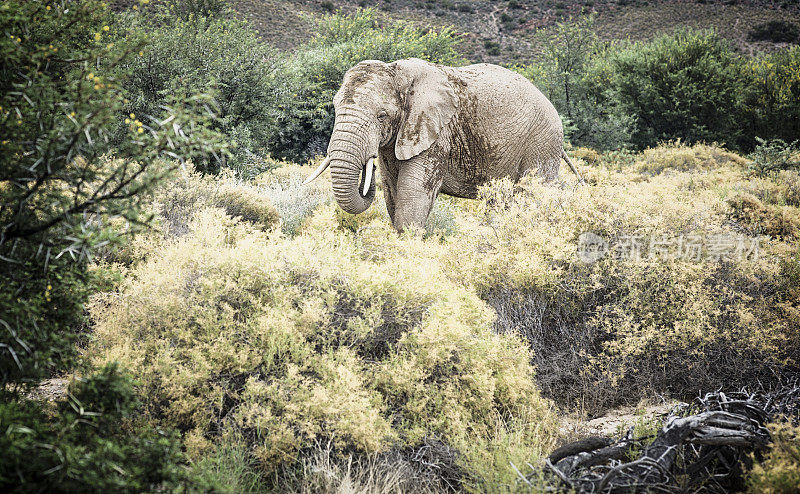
501 31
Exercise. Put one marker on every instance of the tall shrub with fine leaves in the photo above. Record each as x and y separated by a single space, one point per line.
62 195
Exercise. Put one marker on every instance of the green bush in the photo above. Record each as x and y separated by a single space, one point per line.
60 195
90 444
773 156
770 99
214 53
313 74
680 86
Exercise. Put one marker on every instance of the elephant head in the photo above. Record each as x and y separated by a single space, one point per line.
408 102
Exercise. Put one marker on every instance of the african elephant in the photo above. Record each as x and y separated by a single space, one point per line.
436 129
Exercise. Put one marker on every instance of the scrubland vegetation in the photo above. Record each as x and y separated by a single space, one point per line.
226 329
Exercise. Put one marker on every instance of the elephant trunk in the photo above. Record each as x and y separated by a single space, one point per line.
351 147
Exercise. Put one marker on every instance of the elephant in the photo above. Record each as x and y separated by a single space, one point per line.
436 129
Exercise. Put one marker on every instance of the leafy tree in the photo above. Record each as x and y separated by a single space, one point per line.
61 194
86 447
571 74
770 99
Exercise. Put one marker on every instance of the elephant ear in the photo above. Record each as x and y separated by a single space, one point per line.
430 103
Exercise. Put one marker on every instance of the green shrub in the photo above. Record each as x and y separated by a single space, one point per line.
209 53
60 195
313 74
675 86
570 72
773 156
91 443
770 97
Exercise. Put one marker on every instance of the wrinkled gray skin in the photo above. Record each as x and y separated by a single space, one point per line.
437 129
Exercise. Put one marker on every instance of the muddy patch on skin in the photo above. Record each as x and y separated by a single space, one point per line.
470 152
354 79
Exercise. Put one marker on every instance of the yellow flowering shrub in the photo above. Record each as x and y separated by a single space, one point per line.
779 472
285 341
680 157
622 328
190 191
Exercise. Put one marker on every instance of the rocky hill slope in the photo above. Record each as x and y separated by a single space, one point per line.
502 30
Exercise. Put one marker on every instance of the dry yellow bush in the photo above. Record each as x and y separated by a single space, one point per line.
321 336
779 473
680 157
589 156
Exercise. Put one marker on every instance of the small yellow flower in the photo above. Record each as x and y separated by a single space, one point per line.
127 120
140 130
72 114
97 87
49 287
141 53
47 8
19 40
135 7
19 122
90 76
97 36
132 115
138 123
105 28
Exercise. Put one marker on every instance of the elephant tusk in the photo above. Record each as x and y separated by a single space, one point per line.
368 178
318 171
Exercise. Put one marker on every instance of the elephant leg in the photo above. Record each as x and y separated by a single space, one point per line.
418 185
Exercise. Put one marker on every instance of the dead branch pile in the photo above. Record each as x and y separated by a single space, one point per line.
703 447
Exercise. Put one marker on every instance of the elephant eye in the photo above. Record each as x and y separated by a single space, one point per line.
382 114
